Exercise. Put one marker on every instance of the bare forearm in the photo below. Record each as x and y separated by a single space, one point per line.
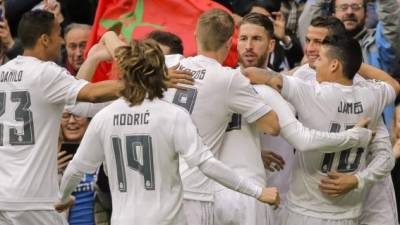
369 72
87 69
112 42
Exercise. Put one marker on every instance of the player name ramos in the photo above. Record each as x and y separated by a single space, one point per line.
350 108
126 119
11 76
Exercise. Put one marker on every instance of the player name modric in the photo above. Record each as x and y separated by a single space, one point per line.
127 119
11 76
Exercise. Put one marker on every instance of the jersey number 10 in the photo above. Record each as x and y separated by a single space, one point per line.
344 166
23 114
139 153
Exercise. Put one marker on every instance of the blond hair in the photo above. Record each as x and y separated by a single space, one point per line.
214 28
143 71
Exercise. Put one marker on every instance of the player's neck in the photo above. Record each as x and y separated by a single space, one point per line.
35 53
344 81
217 55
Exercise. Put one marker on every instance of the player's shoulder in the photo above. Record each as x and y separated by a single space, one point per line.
173 59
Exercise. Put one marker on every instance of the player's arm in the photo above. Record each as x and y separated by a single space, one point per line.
87 159
100 92
306 139
190 146
371 72
269 123
263 76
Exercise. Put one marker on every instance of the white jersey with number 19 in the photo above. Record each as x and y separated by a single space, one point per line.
32 96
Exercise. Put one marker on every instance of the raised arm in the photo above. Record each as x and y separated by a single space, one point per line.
370 72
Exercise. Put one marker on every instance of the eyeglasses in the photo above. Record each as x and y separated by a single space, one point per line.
354 7
66 116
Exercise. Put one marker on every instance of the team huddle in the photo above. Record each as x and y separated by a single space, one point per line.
183 145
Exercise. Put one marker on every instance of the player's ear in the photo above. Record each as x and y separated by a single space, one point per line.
334 65
44 40
271 45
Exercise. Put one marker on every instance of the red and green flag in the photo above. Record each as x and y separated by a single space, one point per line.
136 18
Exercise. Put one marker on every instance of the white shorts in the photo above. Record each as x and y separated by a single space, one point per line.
198 212
32 217
233 208
380 204
288 217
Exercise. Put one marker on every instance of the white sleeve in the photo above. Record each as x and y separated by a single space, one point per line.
386 93
70 180
222 174
59 86
297 91
90 153
306 139
86 109
243 99
380 158
187 141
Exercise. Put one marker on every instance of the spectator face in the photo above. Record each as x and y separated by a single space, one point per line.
351 13
314 39
73 127
254 45
75 42
53 49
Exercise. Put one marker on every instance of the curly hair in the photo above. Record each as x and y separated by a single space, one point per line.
143 71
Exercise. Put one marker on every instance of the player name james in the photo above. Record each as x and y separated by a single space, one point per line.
11 76
350 107
196 74
127 119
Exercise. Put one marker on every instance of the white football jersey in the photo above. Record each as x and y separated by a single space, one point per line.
32 96
218 92
331 107
140 145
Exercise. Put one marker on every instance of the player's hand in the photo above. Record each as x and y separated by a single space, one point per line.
5 34
270 196
337 184
279 25
61 207
176 77
63 160
363 122
272 161
100 53
255 75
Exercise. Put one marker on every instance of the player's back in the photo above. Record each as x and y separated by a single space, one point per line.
331 107
217 93
142 163
32 97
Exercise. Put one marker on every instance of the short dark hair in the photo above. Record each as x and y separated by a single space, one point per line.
260 20
345 49
333 24
332 6
168 39
34 24
269 5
